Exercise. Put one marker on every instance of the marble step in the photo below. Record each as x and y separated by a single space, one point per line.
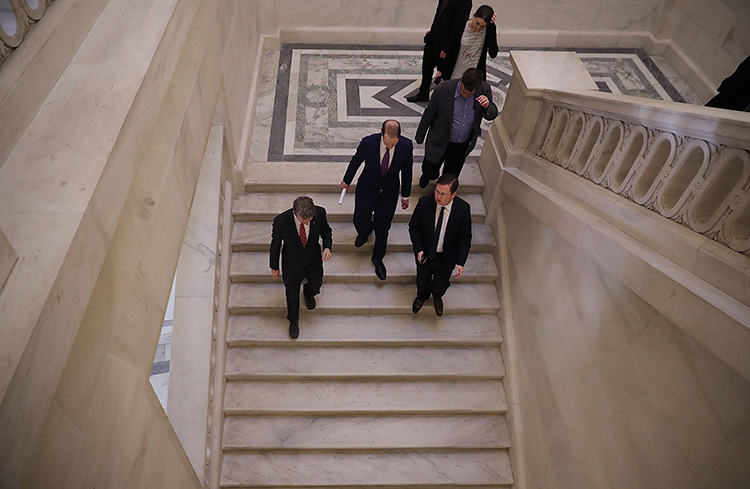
363 398
363 363
322 329
358 267
296 177
489 432
360 298
263 206
256 236
420 469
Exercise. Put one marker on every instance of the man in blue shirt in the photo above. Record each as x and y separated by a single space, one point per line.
451 122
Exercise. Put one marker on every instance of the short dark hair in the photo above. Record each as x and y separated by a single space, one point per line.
303 207
472 79
485 12
448 179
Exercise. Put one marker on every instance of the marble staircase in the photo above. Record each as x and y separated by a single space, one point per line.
370 395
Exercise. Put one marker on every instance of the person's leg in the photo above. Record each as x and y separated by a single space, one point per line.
362 220
292 299
424 281
441 281
314 282
455 156
384 212
430 171
429 60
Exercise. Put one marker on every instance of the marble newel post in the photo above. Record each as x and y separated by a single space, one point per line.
535 71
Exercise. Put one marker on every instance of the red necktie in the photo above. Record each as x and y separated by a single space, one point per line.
302 235
386 160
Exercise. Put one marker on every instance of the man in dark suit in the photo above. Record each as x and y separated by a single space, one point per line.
734 91
443 36
301 229
440 232
387 155
453 118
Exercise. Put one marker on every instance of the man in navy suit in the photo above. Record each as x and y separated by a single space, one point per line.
300 229
440 232
387 156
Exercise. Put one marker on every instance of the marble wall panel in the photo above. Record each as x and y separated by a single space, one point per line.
616 395
30 74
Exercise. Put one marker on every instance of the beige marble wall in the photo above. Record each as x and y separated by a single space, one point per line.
710 34
603 23
190 363
97 208
611 393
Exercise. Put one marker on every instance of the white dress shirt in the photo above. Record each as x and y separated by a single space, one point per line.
382 152
446 214
298 224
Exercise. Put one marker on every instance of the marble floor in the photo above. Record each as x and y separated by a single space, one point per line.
317 101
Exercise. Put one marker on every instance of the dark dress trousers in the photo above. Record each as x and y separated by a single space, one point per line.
298 262
376 193
446 29
438 120
433 277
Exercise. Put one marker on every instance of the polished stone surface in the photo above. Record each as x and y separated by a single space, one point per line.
327 97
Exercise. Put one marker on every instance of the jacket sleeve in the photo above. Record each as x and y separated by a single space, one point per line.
354 164
325 230
490 40
464 238
415 229
490 113
275 244
426 121
406 171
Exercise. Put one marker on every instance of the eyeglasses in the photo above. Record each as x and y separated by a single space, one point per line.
441 194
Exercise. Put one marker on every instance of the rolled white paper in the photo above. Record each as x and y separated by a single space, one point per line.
341 199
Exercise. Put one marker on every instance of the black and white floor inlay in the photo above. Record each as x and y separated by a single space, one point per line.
317 101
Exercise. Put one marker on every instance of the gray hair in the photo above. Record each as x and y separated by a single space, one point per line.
303 207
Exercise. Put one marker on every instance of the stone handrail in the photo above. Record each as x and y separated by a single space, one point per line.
16 18
690 168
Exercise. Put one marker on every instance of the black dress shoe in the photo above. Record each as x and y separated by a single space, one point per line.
309 301
417 305
380 270
417 98
361 239
293 329
438 303
423 181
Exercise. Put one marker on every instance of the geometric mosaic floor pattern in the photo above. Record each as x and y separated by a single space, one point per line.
317 101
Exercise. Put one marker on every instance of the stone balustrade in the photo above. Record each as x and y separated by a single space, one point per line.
16 18
700 183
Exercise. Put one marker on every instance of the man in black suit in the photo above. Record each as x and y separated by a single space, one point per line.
387 155
440 232
453 118
444 35
300 229
734 91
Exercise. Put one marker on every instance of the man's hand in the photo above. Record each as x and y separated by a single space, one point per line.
344 185
492 20
421 257
276 274
483 101
405 203
459 270
326 254
443 55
